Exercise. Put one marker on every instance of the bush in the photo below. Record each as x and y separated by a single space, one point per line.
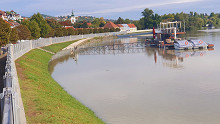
80 31
85 31
65 32
101 30
106 30
95 30
58 32
70 31
112 30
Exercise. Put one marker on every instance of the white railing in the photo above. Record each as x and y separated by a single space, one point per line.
12 110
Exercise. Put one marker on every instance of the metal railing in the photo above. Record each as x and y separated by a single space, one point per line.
12 110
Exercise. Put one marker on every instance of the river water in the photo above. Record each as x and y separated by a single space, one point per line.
147 85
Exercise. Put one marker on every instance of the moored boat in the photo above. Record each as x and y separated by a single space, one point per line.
210 46
198 44
182 44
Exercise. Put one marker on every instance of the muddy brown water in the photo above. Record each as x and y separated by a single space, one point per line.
152 86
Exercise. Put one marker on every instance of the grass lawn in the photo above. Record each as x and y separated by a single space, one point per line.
45 101
57 47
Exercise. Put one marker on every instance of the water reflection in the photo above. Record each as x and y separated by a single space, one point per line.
168 58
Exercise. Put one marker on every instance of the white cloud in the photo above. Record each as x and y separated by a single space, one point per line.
137 7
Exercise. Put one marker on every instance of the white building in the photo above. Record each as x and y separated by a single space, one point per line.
3 15
127 27
73 18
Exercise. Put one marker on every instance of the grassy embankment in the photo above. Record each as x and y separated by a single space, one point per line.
45 101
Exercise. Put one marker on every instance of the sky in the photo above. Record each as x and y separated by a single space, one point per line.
109 9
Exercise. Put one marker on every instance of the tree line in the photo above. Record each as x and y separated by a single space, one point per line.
37 27
193 20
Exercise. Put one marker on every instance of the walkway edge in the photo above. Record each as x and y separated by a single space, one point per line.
75 44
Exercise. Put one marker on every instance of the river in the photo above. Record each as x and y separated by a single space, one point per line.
147 85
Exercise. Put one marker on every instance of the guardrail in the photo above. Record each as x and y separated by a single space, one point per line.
12 110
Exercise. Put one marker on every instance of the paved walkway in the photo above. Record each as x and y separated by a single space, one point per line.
46 51
75 44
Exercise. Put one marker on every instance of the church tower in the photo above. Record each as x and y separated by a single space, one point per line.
73 18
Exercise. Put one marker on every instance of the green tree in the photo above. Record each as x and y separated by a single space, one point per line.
34 28
5 31
102 22
148 18
25 22
101 25
212 14
120 21
127 21
199 23
45 28
53 23
23 32
84 25
13 36
96 22
51 33
137 24
169 17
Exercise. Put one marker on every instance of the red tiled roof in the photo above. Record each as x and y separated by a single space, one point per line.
110 25
69 27
2 13
8 23
131 26
12 23
119 25
89 24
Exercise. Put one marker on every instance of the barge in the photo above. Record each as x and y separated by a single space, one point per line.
166 37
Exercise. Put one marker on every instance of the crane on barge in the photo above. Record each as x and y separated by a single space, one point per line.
166 37
166 34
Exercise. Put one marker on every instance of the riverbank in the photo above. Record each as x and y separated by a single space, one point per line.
45 101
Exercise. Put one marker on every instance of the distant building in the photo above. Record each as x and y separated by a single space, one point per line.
89 24
70 27
122 27
110 25
132 27
73 18
12 24
12 15
127 27
3 15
